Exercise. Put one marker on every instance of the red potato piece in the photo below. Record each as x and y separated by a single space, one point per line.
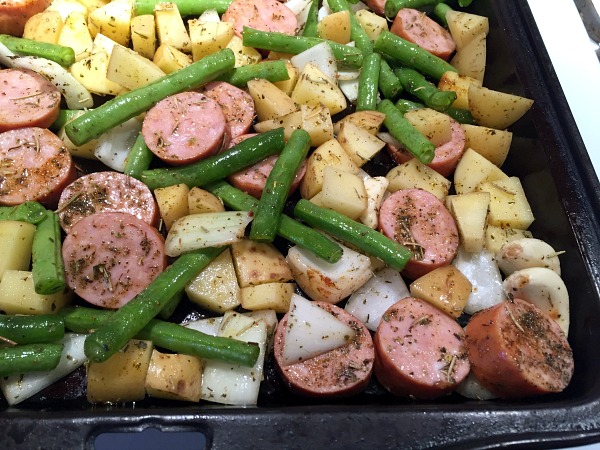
419 350
236 103
446 156
27 99
415 26
106 192
416 219
35 166
110 257
263 15
15 13
341 372
517 351
184 128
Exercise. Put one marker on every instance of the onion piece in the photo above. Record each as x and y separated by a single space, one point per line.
17 388
196 231
76 95
372 299
321 56
234 384
311 331
482 271
114 146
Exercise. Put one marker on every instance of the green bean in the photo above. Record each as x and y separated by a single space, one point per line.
393 6
277 187
368 83
171 305
405 105
461 115
139 158
30 212
416 84
440 10
367 239
310 26
64 116
389 84
129 320
29 358
65 56
411 55
92 124
185 7
170 336
31 329
280 42
272 71
246 153
357 33
403 131
289 229
47 265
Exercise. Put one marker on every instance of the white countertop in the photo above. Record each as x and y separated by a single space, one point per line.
576 66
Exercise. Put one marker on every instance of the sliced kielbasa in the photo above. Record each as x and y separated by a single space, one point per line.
341 372
237 105
27 99
415 26
14 14
263 15
446 156
416 219
516 350
110 257
35 166
419 350
106 192
184 128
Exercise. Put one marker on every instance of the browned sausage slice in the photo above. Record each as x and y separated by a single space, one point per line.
419 350
338 373
517 351
35 165
110 257
264 15
184 128
446 156
27 99
416 219
415 26
106 192
236 103
15 13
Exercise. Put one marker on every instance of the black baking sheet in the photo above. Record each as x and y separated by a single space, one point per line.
549 157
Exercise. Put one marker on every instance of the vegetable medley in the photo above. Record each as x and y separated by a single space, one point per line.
226 156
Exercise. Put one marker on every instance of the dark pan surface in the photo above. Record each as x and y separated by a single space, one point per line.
549 157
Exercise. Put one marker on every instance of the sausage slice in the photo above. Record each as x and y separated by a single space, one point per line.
184 128
517 351
416 219
237 105
419 350
27 99
108 192
35 165
110 257
263 15
415 26
341 372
